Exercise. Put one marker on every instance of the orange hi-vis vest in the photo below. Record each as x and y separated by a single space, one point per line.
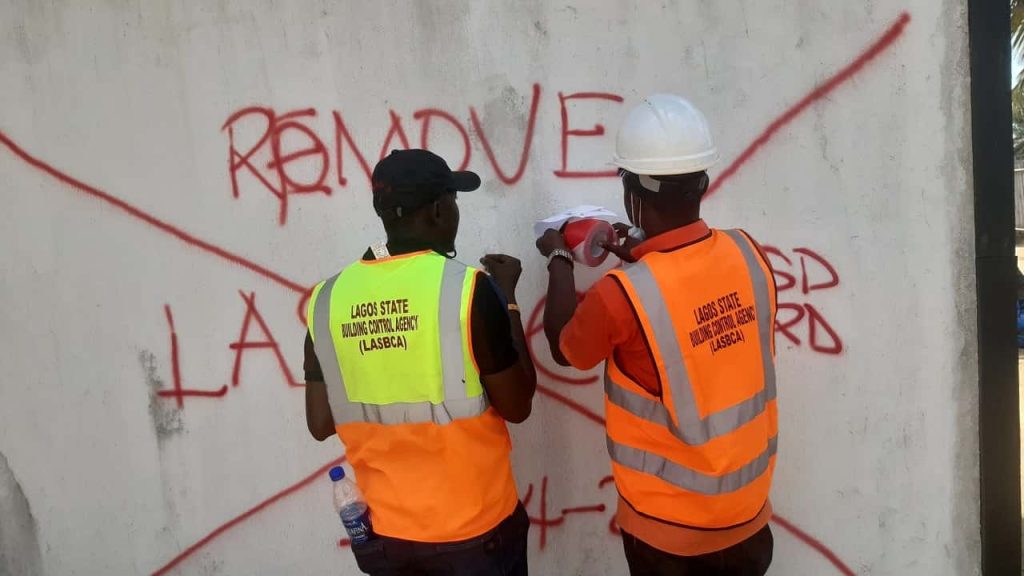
703 453
429 452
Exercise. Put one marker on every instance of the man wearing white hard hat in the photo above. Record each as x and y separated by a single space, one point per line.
686 329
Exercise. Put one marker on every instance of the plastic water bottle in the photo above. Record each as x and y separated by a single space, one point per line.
351 507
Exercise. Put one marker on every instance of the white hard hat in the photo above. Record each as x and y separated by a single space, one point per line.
665 135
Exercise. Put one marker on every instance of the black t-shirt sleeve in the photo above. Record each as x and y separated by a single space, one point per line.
311 364
493 347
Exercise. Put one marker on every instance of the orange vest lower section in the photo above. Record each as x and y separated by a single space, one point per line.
665 502
432 483
682 540
656 498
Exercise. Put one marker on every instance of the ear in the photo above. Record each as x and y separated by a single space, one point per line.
703 186
433 216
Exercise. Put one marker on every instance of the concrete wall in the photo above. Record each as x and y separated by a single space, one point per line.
176 175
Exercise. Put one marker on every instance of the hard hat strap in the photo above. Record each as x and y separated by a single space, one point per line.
636 206
640 213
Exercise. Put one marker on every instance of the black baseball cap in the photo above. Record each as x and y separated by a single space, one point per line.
409 179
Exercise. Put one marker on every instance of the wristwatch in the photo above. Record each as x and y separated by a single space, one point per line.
560 253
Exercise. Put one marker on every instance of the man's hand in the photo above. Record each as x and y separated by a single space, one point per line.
551 241
511 390
505 270
624 247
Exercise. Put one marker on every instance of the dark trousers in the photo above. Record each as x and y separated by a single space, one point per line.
748 558
500 552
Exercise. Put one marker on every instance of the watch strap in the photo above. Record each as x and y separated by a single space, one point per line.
560 253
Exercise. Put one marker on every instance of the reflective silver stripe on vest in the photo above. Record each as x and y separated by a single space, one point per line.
762 299
414 412
687 478
692 429
456 405
323 345
453 359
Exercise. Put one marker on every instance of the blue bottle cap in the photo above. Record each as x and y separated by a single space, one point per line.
337 473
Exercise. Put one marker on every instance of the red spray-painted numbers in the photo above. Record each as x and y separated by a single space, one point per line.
542 518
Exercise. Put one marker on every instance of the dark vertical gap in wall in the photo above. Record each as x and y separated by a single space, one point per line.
996 266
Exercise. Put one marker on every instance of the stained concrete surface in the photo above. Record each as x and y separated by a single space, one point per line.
19 543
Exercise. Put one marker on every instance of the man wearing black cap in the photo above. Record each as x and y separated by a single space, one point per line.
416 361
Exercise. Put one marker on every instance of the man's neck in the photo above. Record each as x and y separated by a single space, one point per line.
399 247
663 227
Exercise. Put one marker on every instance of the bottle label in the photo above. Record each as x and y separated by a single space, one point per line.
357 525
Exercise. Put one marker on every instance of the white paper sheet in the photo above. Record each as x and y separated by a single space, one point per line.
584 211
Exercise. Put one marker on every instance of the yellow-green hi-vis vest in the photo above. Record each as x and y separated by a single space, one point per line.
393 340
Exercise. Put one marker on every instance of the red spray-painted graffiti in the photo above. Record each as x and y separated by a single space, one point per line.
240 346
178 392
821 337
535 326
149 219
236 163
891 35
613 526
243 343
276 126
264 160
543 521
597 130
220 530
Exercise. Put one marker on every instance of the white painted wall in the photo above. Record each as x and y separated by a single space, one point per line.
878 451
